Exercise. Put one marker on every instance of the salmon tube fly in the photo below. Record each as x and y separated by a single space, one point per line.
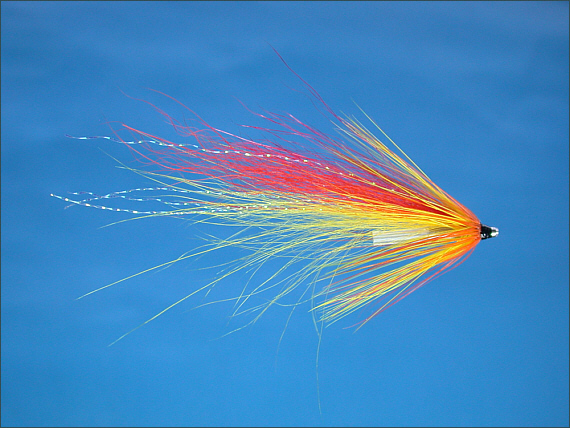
357 225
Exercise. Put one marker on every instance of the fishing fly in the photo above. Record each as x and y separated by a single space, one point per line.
357 224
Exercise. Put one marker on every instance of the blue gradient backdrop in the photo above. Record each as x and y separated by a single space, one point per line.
475 93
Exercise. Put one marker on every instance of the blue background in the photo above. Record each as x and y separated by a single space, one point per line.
475 93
